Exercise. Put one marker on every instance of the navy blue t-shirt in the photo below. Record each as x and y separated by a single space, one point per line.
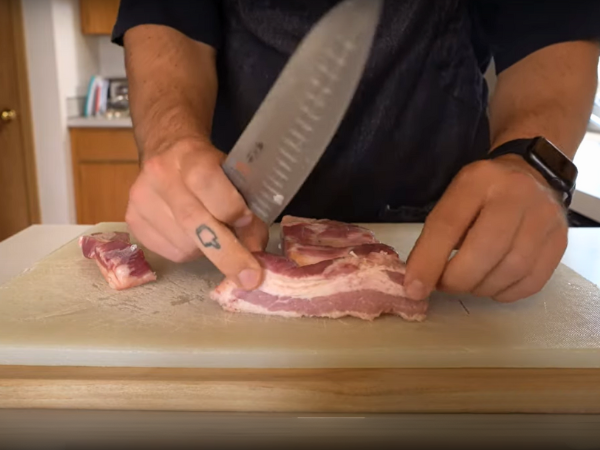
420 112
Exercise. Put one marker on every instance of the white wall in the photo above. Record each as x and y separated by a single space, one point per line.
60 62
48 124
110 58
76 54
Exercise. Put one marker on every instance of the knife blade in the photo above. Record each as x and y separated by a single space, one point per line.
296 121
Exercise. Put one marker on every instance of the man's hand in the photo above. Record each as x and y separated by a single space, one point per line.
182 205
509 229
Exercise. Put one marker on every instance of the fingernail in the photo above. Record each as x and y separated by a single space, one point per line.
249 278
243 221
416 290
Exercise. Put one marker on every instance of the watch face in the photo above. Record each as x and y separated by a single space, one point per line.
551 157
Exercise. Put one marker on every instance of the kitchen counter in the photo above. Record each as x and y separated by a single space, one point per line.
99 122
22 250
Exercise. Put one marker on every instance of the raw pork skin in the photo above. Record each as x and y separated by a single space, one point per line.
330 269
122 263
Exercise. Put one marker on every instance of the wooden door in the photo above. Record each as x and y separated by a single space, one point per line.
18 190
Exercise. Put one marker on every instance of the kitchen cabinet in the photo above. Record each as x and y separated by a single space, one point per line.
105 165
98 16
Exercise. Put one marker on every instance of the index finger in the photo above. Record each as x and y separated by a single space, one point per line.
444 228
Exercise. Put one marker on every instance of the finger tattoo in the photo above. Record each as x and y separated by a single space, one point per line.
207 237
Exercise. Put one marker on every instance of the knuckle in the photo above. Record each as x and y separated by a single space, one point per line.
200 167
562 240
527 288
155 167
131 218
551 210
518 262
137 193
188 216
483 166
522 179
453 284
170 252
444 227
198 179
187 249
563 224
440 222
535 286
506 298
219 196
450 286
497 246
179 256
475 169
233 209
521 184
190 256
483 291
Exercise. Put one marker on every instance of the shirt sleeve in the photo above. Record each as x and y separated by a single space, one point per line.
515 29
197 19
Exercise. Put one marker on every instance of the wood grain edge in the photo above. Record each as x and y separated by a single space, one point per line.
22 85
76 176
559 391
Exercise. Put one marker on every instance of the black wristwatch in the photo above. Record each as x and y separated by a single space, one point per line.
546 158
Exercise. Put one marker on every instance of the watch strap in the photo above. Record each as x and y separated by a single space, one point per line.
522 147
516 146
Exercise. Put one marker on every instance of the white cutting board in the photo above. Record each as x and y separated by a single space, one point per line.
62 312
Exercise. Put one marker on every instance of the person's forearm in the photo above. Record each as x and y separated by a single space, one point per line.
548 93
172 87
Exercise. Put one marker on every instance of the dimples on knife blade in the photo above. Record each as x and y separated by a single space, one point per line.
302 111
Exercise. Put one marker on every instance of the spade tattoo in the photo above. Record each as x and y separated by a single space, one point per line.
207 237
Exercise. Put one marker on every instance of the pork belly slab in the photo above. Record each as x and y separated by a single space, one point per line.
122 263
330 269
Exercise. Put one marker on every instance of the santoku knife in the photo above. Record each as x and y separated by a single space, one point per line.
299 116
